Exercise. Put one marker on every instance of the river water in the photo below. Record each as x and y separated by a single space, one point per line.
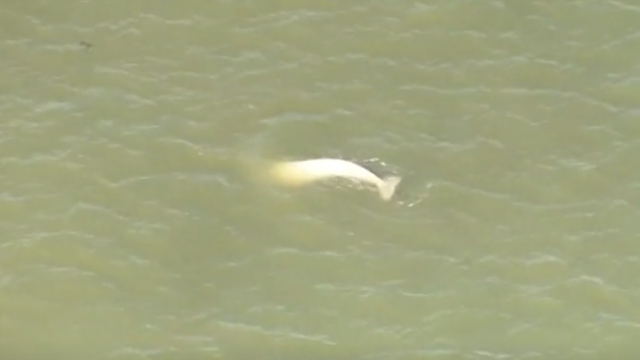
134 226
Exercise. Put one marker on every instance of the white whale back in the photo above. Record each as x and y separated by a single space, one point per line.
296 173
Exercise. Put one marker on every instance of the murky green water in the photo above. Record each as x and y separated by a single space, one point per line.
132 225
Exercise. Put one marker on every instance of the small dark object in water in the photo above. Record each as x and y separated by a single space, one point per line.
86 44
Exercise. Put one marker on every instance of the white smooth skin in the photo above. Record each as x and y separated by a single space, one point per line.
296 173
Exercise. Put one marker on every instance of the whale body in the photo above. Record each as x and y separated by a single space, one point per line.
297 173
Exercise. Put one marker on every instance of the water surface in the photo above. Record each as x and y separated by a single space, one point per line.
133 225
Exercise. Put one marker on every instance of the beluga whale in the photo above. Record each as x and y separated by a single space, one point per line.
298 173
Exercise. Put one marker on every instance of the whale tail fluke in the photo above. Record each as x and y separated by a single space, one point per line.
388 186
